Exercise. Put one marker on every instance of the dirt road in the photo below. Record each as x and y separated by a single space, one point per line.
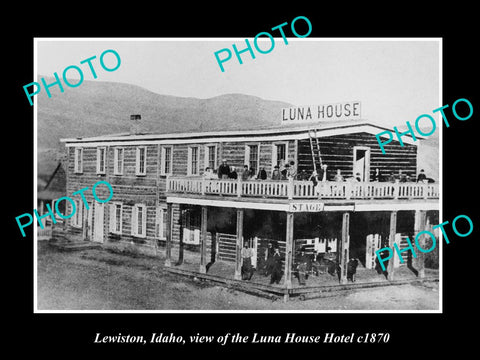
101 280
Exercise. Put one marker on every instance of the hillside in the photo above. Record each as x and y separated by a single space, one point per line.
97 108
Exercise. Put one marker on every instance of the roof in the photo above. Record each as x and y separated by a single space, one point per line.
325 128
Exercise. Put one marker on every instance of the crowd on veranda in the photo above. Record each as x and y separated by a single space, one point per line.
288 170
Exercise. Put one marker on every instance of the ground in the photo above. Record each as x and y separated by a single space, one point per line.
97 279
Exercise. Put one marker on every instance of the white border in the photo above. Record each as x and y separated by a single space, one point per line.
35 247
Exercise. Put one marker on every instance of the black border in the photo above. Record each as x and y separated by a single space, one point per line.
66 334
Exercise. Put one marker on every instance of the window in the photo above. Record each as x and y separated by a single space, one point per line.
279 154
251 157
161 223
193 163
116 218
211 156
118 161
77 218
78 168
139 220
101 160
166 160
141 161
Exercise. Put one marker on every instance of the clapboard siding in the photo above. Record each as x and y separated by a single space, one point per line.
337 153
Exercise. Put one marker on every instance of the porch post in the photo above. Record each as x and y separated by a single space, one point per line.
168 243
345 247
288 253
238 249
203 241
391 241
420 225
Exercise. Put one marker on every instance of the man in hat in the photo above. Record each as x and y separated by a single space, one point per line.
223 170
302 262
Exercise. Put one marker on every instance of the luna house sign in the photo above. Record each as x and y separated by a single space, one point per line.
340 111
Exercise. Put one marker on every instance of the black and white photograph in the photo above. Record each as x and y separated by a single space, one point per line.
277 184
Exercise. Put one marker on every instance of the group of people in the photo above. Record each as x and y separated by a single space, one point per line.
303 266
273 262
288 171
315 264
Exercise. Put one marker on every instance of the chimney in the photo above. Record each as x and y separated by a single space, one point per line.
135 126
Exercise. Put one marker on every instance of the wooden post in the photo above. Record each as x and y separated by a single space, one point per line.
239 186
203 240
290 188
168 243
420 225
238 249
288 253
345 247
391 241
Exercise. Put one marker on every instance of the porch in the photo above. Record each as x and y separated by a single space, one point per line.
323 285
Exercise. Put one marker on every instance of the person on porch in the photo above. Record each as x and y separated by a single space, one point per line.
224 170
276 275
247 267
302 262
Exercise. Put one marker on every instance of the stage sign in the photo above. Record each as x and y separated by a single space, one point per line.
306 207
341 111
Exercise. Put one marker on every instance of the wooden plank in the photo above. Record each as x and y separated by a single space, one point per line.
391 241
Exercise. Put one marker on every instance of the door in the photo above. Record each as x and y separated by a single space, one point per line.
361 162
98 222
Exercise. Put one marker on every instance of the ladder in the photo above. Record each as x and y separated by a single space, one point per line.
315 149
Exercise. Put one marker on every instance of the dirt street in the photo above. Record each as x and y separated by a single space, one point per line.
101 280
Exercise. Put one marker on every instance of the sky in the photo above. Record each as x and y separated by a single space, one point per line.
396 80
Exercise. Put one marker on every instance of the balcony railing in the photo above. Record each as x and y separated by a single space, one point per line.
293 189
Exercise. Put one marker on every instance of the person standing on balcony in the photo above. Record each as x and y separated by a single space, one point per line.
292 171
276 173
233 173
223 170
246 174
285 172
338 177
322 173
421 176
377 176
208 174
262 174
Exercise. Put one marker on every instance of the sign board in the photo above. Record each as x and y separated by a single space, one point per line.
313 113
306 207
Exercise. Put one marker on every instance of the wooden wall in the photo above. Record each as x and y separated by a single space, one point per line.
337 153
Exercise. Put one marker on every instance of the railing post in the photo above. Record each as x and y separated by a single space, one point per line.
348 190
203 185
395 190
290 188
239 186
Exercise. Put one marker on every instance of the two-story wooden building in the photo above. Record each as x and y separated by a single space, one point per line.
164 204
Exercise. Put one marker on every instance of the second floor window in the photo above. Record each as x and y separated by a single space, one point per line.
78 160
141 161
211 156
118 161
193 163
101 152
166 161
251 157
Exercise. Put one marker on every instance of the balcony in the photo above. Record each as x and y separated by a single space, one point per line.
293 189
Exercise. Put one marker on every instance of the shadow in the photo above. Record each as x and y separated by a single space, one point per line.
410 264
